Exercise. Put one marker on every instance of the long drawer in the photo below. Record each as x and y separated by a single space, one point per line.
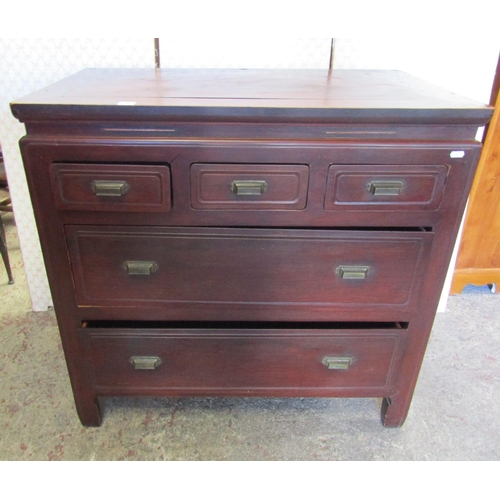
267 362
206 271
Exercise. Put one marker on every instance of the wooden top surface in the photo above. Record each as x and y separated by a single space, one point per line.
374 96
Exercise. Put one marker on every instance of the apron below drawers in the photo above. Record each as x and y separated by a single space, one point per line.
252 362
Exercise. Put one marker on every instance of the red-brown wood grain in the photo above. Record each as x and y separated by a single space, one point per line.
245 294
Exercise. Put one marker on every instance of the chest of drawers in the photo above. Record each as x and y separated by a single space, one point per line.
247 233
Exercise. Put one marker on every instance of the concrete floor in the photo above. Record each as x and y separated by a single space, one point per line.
454 415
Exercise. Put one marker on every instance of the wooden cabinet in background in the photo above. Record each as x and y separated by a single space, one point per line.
478 261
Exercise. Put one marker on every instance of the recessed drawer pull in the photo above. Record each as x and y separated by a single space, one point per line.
140 267
353 272
337 362
245 188
110 188
145 362
385 188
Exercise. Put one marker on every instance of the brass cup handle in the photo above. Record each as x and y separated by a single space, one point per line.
385 188
337 362
110 188
248 188
140 267
145 362
353 272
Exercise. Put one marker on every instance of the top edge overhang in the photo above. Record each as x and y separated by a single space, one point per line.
275 96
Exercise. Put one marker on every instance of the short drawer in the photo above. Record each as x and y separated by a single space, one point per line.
225 361
385 187
249 186
211 270
107 187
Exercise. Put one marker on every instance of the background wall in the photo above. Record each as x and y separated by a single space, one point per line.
27 65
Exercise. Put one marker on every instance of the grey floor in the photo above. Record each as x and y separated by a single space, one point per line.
454 415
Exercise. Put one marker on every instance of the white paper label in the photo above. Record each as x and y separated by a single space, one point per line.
457 154
125 103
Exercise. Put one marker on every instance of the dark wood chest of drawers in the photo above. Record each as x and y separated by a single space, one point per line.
247 233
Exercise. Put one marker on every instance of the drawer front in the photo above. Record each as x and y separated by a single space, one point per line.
386 187
249 187
216 267
256 360
326 184
115 188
